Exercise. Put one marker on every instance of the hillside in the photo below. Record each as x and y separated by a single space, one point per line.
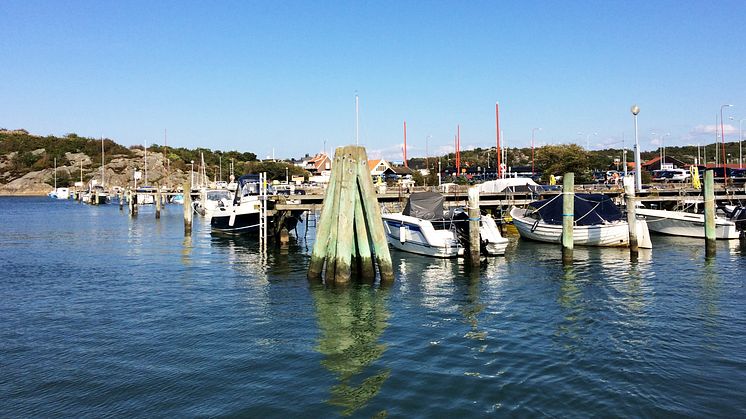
27 163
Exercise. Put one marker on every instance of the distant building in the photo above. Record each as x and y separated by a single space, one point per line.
318 164
378 167
655 163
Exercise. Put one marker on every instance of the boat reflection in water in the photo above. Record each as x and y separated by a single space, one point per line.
351 321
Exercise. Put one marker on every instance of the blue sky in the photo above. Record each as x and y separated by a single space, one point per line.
254 76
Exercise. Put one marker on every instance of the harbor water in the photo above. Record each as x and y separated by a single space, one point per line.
105 314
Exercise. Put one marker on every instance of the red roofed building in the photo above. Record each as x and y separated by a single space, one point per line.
318 164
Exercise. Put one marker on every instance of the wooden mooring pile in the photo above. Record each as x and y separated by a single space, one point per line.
350 232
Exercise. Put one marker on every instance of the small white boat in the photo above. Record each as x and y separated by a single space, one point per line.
422 229
60 193
146 195
210 200
598 222
423 237
687 224
241 214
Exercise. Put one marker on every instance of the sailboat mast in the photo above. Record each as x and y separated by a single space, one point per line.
357 120
405 144
55 173
146 163
102 162
497 133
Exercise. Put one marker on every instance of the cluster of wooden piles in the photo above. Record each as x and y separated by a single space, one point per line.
350 230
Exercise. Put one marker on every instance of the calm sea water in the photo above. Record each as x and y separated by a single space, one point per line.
104 314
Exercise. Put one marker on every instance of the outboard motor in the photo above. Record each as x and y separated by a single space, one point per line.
739 217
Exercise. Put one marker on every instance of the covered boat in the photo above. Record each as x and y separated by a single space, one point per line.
597 222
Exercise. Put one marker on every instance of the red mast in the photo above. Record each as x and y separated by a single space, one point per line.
405 144
497 134
458 148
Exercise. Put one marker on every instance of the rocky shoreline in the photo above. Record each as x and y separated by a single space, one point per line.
119 171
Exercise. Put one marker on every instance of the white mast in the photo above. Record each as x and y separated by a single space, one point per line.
357 120
102 162
55 174
146 163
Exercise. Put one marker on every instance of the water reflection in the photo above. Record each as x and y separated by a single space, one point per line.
351 321
244 256
710 292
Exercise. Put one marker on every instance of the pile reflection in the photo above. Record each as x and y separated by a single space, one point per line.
351 321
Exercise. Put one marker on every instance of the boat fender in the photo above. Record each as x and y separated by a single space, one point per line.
402 234
232 219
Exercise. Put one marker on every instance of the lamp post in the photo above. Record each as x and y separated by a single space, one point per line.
722 137
533 130
638 175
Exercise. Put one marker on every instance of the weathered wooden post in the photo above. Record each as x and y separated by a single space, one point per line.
350 223
95 197
629 196
187 208
134 202
709 192
568 216
121 200
474 217
158 202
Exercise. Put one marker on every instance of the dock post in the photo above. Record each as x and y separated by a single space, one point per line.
187 208
121 200
568 216
350 223
134 203
629 197
158 202
95 198
709 192
474 217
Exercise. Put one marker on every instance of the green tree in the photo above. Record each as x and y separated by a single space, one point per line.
560 159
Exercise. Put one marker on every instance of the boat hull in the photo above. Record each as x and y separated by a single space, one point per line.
678 223
414 235
604 235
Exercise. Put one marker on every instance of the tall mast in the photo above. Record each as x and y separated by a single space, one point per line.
168 162
146 162
405 144
55 173
497 134
357 120
458 149
102 162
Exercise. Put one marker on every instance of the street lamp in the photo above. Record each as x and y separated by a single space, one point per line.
533 130
638 175
722 136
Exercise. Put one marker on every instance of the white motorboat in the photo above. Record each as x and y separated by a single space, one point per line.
242 213
60 193
146 195
687 224
210 200
422 229
424 237
597 222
